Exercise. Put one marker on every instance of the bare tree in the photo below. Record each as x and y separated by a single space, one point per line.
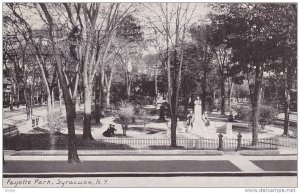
39 50
170 20
100 27
69 87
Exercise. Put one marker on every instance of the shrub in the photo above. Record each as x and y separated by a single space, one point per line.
267 114
125 113
140 100
153 112
137 108
56 122
182 112
243 113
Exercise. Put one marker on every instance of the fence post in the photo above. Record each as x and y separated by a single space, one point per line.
220 148
37 122
33 123
239 140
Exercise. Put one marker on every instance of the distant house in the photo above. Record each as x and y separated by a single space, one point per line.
7 92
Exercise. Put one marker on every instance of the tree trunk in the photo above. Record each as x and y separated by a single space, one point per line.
102 99
162 113
12 96
155 82
18 96
173 116
50 111
31 100
222 85
286 116
11 100
87 114
108 99
129 87
87 84
77 106
49 104
27 101
229 95
204 92
72 149
109 91
287 87
173 131
109 86
97 98
256 103
52 99
60 98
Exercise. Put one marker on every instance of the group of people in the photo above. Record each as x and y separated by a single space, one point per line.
110 131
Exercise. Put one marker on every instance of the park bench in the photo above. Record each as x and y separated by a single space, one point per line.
10 131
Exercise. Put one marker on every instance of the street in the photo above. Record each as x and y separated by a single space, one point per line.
157 164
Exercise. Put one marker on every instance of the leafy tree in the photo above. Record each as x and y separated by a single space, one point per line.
284 31
202 56
251 34
125 114
130 38
241 91
154 68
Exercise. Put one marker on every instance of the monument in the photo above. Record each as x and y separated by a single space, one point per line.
197 123
198 126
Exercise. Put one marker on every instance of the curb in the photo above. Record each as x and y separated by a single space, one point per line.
149 174
115 152
151 152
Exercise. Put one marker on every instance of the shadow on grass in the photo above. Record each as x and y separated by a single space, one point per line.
38 129
146 130
121 136
165 147
220 130
218 116
141 121
57 142
242 129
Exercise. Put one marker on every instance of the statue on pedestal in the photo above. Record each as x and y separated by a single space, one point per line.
199 126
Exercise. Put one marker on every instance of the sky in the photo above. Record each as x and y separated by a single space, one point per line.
145 12
196 12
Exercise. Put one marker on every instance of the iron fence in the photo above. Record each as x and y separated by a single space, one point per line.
229 144
265 143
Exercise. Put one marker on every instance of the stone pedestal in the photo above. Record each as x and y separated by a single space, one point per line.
228 128
181 127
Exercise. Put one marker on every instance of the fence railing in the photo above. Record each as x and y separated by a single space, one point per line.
228 144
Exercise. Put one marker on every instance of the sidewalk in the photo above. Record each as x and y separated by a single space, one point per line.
55 164
142 169
151 152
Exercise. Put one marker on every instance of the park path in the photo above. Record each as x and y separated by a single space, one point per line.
293 117
18 115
